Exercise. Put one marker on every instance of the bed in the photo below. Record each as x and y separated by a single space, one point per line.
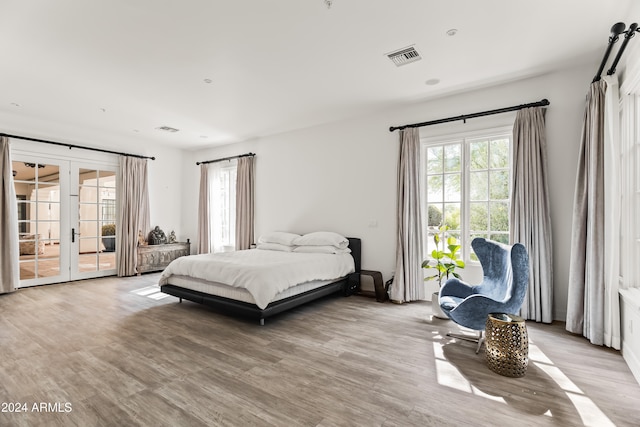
200 279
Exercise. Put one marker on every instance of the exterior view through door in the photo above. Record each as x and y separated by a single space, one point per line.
66 219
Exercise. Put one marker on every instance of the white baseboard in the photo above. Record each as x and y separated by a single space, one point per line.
632 361
630 329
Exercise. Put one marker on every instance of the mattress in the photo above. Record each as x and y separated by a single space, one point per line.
240 294
264 274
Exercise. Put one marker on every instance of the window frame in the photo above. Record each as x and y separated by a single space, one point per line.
464 139
222 235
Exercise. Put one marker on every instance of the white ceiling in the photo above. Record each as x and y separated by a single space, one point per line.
118 69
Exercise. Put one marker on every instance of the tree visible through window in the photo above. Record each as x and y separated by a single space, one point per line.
467 188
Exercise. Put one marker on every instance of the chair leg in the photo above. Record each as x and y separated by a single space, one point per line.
479 339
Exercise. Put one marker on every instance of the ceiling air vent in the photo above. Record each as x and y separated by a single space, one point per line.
404 56
167 129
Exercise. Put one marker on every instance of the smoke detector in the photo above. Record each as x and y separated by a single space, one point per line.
404 56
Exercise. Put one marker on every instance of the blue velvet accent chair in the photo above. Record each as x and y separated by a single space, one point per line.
506 277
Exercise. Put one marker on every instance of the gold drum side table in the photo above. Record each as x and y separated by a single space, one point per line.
506 344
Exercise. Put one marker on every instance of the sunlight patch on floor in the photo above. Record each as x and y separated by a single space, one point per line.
590 414
449 376
152 292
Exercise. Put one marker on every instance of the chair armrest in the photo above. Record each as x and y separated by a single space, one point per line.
456 288
473 311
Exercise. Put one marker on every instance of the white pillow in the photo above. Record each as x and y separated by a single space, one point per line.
321 249
274 247
280 237
322 238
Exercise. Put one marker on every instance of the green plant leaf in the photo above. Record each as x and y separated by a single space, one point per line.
436 254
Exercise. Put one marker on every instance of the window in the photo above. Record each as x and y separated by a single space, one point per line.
629 237
222 186
467 187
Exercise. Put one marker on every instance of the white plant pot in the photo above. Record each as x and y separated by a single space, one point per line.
435 307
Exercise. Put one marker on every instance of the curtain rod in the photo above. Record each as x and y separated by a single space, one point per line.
464 117
628 35
226 158
616 30
75 146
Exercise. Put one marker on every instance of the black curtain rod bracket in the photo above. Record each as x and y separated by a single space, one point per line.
70 146
464 117
628 35
226 158
617 29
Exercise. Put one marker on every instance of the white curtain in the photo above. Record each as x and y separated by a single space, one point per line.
222 205
530 211
612 217
245 183
204 229
592 298
408 284
9 249
134 212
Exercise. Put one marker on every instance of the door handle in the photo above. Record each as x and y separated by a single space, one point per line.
73 235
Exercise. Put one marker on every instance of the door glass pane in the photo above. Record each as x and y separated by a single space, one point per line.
37 187
97 220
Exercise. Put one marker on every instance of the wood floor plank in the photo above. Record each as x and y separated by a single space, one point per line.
119 357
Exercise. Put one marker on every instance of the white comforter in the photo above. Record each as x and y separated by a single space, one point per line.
263 273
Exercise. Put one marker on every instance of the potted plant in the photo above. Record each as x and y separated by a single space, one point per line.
444 261
109 242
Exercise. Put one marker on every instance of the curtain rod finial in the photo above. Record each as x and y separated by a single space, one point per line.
617 28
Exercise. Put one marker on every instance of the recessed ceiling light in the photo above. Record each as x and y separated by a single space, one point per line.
432 82
15 104
104 110
208 81
452 32
136 130
204 136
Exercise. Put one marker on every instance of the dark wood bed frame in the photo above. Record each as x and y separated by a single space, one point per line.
347 286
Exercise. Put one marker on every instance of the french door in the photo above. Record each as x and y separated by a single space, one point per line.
66 219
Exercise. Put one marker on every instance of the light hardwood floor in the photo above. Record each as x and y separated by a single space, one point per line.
109 356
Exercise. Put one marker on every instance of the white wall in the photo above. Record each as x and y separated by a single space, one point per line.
166 195
342 176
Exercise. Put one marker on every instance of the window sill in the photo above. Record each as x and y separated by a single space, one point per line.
631 296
